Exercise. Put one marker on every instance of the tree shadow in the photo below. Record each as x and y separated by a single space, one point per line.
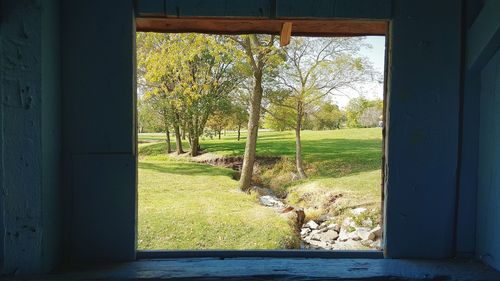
328 157
187 169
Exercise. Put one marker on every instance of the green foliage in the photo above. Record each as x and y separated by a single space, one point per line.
327 117
361 112
187 76
148 119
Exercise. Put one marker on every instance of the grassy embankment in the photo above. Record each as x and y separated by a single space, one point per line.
185 205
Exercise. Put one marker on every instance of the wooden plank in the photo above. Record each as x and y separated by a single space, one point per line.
422 129
204 8
103 223
354 9
279 269
484 36
248 26
286 33
323 254
151 8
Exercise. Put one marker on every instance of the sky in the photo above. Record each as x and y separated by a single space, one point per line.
376 55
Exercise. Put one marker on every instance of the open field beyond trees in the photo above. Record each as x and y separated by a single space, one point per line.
189 205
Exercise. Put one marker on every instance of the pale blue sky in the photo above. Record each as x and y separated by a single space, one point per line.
376 54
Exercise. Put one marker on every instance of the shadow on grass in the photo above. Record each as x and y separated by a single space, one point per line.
186 168
329 157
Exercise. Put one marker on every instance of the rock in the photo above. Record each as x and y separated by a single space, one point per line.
367 223
304 231
366 243
315 237
311 224
322 225
329 236
376 245
349 245
315 244
348 222
358 211
363 233
334 226
343 235
375 233
271 201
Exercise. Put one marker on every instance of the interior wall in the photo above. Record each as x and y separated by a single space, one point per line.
488 194
469 135
482 81
29 135
98 125
422 144
99 130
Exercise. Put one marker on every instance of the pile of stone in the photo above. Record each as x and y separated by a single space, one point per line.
348 236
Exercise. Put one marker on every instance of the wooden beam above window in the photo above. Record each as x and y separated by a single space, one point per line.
301 27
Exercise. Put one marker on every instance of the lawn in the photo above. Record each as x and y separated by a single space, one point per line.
186 205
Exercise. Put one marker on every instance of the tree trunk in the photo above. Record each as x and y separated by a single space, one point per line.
239 132
169 147
219 134
194 146
183 131
178 141
298 143
253 128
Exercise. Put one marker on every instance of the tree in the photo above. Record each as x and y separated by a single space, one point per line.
355 112
148 119
239 116
370 117
218 121
192 73
261 55
314 69
327 117
157 78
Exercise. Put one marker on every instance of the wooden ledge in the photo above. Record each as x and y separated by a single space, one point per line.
301 27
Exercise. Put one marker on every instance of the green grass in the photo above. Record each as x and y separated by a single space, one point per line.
185 205
176 194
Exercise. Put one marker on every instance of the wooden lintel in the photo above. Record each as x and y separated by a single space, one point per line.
286 33
301 27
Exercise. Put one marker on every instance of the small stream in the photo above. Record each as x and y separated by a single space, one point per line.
267 197
314 235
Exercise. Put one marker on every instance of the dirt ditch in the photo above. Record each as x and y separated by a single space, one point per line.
319 234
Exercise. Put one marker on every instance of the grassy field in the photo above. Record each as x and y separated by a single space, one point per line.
185 205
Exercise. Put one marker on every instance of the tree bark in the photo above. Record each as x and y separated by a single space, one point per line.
194 147
298 143
169 146
178 141
183 131
253 128
177 131
239 132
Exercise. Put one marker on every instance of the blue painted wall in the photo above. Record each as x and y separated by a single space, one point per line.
68 126
30 135
488 193
422 144
99 157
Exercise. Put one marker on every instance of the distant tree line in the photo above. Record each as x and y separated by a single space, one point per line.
193 85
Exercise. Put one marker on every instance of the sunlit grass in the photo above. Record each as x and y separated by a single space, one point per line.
184 205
